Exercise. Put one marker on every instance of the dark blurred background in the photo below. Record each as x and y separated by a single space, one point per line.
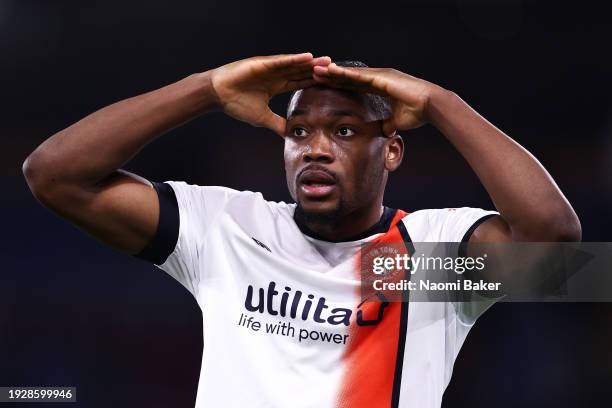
73 312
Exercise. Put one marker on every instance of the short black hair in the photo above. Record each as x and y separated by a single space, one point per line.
380 105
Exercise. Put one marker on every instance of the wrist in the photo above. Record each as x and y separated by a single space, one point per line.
437 99
207 98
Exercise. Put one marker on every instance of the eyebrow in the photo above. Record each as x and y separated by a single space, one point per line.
299 112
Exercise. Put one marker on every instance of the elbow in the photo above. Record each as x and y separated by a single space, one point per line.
570 230
550 223
558 228
28 167
564 225
30 171
38 176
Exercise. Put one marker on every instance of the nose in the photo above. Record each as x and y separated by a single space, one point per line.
319 149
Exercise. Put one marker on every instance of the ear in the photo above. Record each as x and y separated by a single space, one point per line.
394 152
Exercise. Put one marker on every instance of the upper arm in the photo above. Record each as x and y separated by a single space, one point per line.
491 230
483 242
520 266
455 227
122 210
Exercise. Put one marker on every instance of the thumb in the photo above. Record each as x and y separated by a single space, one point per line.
389 127
274 122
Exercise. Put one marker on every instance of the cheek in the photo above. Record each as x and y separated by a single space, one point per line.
367 166
291 156
291 152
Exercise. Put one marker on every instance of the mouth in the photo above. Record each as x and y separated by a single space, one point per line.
315 183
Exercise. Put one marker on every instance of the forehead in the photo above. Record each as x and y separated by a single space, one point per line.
329 101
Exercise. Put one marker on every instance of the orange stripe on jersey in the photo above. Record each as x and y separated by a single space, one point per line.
372 354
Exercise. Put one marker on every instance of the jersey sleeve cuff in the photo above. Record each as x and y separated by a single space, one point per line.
164 241
470 231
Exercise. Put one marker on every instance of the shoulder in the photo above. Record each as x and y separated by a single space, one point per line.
444 224
213 199
433 215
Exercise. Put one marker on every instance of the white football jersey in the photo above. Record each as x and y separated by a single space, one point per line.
282 322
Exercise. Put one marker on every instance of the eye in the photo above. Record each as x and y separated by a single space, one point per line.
346 131
299 132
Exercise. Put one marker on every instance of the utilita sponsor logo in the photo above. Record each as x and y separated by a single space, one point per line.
294 304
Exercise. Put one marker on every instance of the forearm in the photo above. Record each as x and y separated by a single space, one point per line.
96 146
522 190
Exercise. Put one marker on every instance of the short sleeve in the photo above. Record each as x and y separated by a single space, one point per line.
186 214
457 224
452 225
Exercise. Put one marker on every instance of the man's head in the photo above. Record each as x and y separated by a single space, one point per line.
337 157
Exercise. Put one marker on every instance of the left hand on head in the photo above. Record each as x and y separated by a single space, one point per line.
409 95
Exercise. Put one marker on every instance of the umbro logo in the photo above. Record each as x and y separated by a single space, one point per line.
261 244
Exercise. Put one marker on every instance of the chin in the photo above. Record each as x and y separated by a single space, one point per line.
318 207
323 210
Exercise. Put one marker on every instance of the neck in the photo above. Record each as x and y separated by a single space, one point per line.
342 228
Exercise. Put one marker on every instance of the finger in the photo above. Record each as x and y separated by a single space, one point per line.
321 61
325 80
305 67
302 84
282 61
341 84
389 127
298 69
295 72
296 75
342 75
355 81
355 74
321 71
273 122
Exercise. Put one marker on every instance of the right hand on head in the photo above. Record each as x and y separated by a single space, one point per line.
244 88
